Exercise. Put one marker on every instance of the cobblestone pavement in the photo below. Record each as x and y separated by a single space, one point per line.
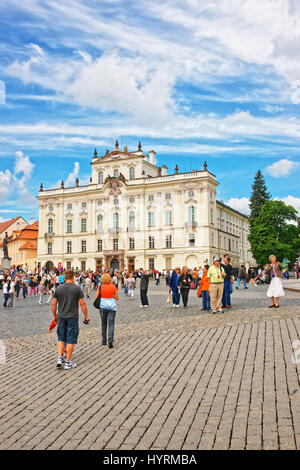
176 379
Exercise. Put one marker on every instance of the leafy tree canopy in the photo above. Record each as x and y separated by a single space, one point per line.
275 231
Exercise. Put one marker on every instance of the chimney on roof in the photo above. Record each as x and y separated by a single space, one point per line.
152 158
164 170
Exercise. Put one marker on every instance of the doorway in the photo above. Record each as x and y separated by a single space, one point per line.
114 264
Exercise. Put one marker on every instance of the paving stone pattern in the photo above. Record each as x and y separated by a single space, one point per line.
175 379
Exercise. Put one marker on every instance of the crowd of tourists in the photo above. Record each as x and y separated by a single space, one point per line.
66 289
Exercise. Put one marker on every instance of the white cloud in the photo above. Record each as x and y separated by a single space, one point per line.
239 204
70 181
13 185
281 168
291 201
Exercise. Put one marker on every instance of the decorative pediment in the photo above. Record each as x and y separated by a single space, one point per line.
191 200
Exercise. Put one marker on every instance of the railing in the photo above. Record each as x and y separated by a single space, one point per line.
191 224
49 234
114 229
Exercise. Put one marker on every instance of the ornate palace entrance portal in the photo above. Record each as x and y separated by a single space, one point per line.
114 264
114 259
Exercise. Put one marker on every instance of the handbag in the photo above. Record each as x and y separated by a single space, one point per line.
192 285
199 292
97 301
169 299
267 278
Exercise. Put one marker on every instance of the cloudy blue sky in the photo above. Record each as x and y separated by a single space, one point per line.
214 80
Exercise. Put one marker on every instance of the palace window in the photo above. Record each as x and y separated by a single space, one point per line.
50 208
69 226
131 243
169 241
50 226
150 219
168 217
99 245
100 177
83 246
151 242
69 264
151 197
191 214
69 247
115 244
131 199
116 173
168 196
131 219
191 193
116 220
49 248
83 205
151 263
100 222
99 202
83 225
83 265
131 173
69 207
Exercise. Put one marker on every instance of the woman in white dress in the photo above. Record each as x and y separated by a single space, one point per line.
275 288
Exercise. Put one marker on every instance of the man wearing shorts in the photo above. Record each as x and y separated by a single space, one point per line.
65 301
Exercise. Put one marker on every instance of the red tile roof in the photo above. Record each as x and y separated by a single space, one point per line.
29 246
4 225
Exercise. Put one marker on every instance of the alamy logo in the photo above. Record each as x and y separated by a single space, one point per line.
296 353
2 92
2 353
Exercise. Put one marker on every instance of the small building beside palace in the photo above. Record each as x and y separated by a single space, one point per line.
135 214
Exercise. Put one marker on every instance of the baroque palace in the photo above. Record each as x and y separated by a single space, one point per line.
134 214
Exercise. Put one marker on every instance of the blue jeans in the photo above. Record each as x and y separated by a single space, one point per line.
6 297
107 319
175 297
226 293
239 281
205 299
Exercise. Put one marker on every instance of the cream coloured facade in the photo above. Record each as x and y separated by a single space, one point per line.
134 214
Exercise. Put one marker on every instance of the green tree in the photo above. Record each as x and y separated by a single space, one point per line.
258 196
275 231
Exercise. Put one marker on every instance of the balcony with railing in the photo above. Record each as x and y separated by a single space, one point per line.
49 234
191 224
114 230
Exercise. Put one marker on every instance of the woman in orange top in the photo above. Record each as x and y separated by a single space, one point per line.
108 308
205 290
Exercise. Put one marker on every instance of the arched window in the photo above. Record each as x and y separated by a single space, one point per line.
131 173
100 222
191 214
100 177
50 226
131 219
116 220
116 173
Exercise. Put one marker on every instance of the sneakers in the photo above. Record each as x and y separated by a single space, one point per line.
214 311
221 311
177 306
60 361
70 365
